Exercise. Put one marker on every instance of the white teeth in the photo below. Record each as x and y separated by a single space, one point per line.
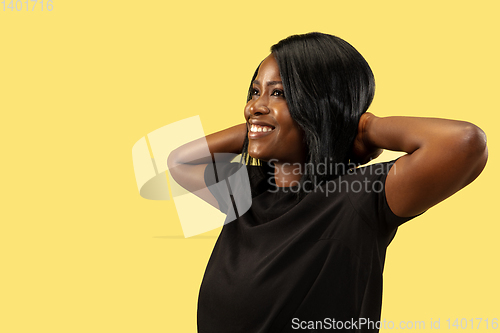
259 128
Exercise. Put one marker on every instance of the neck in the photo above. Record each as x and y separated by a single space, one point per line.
288 174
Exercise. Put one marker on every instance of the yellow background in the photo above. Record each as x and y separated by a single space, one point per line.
81 251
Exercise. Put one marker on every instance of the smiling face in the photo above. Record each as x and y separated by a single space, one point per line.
272 133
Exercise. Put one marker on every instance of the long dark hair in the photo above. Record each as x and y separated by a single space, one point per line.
328 85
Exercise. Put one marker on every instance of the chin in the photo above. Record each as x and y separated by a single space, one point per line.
258 155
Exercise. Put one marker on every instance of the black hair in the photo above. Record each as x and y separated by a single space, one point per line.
328 85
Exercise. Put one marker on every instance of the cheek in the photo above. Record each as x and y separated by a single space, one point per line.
300 133
246 110
296 134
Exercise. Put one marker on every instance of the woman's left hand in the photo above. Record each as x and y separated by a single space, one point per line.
363 151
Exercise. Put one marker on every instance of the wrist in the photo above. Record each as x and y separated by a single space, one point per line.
368 126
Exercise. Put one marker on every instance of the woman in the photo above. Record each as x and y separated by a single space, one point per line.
309 253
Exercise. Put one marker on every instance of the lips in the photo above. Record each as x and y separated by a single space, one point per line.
258 129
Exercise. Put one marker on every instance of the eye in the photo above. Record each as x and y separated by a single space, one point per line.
254 92
278 93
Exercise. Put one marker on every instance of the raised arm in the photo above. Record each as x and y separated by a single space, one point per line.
443 157
187 163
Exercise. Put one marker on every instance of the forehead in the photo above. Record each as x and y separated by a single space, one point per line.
268 69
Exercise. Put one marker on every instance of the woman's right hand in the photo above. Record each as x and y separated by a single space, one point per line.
187 163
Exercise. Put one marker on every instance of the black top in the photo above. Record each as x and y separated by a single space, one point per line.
285 263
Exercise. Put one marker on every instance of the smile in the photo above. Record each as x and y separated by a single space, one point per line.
258 131
260 128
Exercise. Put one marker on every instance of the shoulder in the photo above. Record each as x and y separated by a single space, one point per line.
365 187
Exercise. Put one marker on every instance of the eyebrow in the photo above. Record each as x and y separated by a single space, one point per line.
268 83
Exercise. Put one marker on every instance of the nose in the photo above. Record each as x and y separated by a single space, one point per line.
258 107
